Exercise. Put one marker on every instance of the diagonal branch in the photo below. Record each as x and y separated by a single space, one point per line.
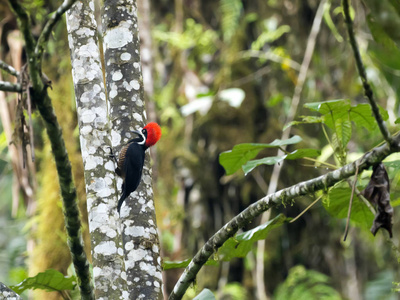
8 69
45 34
361 71
10 87
283 196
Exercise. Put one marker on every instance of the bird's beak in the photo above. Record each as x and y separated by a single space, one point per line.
137 132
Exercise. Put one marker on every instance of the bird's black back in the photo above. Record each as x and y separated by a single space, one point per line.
132 170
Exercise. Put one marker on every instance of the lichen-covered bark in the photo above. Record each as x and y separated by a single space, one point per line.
6 293
107 249
125 93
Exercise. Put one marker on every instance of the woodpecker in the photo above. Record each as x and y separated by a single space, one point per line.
131 159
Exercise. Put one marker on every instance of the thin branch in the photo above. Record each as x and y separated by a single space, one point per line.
283 196
45 34
8 69
353 188
26 26
307 208
361 71
10 87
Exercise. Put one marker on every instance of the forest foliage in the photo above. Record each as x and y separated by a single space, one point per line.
225 73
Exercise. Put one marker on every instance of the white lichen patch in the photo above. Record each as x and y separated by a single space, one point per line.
137 255
136 231
106 248
146 179
117 76
127 86
135 84
119 36
125 56
96 272
150 269
136 65
86 129
88 116
115 138
91 162
129 246
84 31
137 117
109 166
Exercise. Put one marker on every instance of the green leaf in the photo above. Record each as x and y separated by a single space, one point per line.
242 243
167 265
301 153
397 121
205 294
50 280
338 205
233 160
393 164
334 110
343 132
251 164
271 160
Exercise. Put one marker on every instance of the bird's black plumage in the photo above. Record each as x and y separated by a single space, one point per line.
130 166
131 172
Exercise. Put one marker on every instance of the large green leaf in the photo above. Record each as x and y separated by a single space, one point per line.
334 110
233 160
297 154
338 205
50 280
205 294
242 243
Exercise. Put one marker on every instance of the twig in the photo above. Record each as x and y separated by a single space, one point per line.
10 87
307 208
31 141
25 27
8 69
350 204
361 71
45 34
272 200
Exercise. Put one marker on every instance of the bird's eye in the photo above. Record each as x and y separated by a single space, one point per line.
143 130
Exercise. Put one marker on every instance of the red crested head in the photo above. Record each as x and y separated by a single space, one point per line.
153 133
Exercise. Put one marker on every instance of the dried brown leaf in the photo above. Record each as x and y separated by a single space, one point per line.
378 193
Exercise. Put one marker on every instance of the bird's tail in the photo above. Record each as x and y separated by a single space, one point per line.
120 201
123 197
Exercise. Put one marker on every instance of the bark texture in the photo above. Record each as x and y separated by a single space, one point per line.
107 250
125 93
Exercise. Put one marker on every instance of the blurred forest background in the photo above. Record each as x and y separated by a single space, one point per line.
223 72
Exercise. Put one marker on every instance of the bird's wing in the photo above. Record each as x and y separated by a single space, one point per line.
134 160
